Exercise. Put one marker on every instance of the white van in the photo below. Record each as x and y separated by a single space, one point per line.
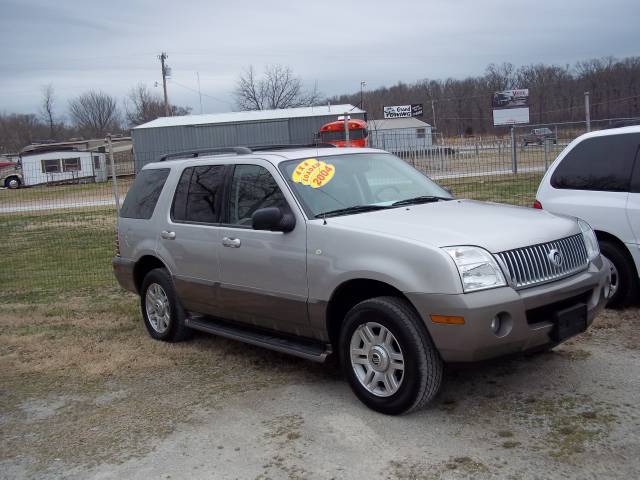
597 178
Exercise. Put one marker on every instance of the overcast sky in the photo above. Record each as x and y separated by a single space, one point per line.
112 46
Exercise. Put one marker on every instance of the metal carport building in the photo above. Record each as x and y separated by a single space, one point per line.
261 127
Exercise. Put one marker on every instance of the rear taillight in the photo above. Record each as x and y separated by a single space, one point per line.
537 205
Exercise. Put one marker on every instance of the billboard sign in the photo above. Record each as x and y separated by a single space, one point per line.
403 111
510 107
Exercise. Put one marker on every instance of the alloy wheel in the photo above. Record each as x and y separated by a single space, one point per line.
377 359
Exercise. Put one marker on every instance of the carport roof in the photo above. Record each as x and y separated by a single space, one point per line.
251 116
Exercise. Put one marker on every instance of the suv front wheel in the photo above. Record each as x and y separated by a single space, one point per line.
388 356
163 315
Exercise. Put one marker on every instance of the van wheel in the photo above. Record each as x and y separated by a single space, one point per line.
163 315
12 182
622 274
388 356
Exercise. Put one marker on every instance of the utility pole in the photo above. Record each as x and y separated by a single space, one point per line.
433 112
362 85
163 56
587 111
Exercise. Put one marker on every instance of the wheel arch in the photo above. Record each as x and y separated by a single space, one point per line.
350 293
603 235
144 265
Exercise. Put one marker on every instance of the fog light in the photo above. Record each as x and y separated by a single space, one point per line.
501 324
496 323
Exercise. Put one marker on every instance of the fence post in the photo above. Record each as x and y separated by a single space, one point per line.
514 151
116 194
546 154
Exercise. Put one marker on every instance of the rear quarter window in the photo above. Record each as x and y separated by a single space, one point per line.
599 163
143 195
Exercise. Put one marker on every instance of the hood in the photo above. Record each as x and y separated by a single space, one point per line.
493 226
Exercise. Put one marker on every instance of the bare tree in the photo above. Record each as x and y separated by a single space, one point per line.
142 106
46 109
94 113
277 88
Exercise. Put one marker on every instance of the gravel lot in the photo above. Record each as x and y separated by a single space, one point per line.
84 393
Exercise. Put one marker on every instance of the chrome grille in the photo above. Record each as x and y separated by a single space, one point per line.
533 265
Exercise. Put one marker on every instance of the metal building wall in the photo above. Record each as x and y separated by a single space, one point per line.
149 144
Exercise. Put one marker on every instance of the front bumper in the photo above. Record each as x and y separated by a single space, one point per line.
475 340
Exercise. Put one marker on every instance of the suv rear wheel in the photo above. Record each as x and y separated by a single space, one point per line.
622 274
163 315
388 356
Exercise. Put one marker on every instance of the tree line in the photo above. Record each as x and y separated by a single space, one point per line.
556 94
92 114
453 106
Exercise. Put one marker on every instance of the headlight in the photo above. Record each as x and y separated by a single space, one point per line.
590 239
477 268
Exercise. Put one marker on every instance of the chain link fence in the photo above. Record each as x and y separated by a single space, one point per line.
58 228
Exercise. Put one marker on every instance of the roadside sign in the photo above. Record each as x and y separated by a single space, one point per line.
510 107
403 111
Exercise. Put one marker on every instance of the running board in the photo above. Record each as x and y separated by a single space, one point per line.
307 349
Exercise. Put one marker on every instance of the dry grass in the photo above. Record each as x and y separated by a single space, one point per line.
82 383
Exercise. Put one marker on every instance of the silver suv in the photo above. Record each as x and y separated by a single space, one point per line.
311 251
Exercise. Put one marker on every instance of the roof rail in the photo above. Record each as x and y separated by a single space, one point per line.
205 151
286 146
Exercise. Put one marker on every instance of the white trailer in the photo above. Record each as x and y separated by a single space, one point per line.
63 166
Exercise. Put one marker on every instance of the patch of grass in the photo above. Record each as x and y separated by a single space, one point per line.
517 189
58 252
63 193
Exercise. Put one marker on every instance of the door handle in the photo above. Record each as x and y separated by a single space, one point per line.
231 242
168 235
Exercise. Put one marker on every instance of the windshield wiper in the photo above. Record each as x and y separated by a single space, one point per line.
354 209
417 200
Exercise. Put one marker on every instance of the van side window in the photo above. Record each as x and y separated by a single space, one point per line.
198 195
599 163
252 188
143 195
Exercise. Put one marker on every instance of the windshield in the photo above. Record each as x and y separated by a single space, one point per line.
338 183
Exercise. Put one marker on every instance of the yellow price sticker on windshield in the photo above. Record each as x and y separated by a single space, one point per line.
313 173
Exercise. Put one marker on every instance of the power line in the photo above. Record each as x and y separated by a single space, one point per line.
200 93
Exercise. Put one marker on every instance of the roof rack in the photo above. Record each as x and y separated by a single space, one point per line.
286 146
205 151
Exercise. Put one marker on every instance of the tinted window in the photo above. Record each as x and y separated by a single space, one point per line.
143 195
601 163
333 136
198 193
635 178
252 188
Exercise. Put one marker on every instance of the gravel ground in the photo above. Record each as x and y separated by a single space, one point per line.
107 402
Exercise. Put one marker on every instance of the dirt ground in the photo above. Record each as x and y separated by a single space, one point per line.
85 393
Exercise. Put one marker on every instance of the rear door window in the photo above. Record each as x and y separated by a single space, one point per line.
143 195
198 194
599 163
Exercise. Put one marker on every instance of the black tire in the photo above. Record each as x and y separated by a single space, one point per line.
423 367
176 330
10 182
626 275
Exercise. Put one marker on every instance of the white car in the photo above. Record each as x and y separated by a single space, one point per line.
597 178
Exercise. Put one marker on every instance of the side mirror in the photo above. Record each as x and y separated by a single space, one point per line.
273 219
